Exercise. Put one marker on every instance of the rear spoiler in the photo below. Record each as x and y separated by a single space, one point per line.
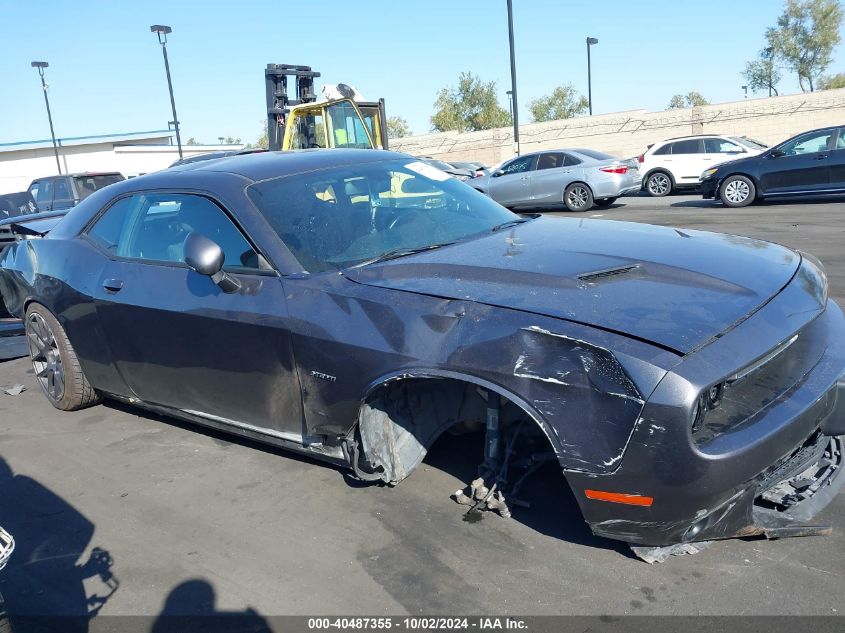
36 228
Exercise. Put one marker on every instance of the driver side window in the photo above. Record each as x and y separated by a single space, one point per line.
153 227
811 143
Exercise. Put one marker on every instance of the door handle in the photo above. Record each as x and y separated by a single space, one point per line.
822 156
113 285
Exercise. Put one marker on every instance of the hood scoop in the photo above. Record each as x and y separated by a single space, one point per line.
607 272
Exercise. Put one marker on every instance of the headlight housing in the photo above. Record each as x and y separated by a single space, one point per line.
709 173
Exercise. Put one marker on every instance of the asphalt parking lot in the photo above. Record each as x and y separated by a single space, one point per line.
183 512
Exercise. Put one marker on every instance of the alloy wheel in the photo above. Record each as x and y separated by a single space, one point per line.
737 191
578 197
659 185
46 356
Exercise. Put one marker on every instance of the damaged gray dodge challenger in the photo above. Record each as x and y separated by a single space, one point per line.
354 305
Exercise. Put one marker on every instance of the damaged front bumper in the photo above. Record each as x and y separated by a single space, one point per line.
768 476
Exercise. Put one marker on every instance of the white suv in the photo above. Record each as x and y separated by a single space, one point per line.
679 162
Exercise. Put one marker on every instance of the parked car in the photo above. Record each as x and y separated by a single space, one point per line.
13 205
575 178
677 163
810 164
454 172
689 385
53 193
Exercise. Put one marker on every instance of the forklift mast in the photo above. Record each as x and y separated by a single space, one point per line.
278 102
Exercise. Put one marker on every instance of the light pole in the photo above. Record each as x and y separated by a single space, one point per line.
510 103
590 42
515 105
162 31
746 91
769 54
41 66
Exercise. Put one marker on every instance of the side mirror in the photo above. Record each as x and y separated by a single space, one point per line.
206 258
497 173
776 153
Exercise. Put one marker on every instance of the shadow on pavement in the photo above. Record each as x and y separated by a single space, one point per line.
44 577
191 607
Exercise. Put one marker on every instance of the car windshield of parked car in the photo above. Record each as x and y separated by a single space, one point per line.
88 184
748 142
345 216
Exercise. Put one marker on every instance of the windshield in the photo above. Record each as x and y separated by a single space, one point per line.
343 216
748 142
88 184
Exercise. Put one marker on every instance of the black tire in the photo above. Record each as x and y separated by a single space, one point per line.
54 362
578 197
737 191
659 184
603 203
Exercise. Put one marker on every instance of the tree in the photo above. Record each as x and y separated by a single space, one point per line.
762 74
806 34
397 127
229 140
563 103
832 82
692 99
192 141
262 142
468 107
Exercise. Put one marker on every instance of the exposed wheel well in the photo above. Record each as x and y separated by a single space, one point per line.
401 419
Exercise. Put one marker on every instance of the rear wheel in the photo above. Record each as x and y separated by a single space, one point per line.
658 184
737 191
56 366
578 197
605 202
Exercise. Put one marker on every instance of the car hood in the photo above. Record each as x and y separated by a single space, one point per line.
675 288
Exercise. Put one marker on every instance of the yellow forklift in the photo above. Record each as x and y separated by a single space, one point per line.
302 122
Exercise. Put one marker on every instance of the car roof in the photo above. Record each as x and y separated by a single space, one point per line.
264 165
78 174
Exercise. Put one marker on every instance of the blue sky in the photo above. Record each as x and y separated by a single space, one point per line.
106 73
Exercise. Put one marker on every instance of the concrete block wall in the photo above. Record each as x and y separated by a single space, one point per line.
628 134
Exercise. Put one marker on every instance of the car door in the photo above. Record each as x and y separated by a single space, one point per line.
799 165
175 337
63 196
688 161
509 185
42 191
837 161
551 176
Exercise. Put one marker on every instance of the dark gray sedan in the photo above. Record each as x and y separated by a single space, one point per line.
354 305
577 179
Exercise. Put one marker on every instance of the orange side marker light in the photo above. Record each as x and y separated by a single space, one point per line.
619 497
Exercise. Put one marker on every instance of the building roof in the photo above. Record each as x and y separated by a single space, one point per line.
72 141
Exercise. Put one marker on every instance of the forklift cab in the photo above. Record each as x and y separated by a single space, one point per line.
340 123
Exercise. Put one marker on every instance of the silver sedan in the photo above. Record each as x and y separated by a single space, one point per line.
576 178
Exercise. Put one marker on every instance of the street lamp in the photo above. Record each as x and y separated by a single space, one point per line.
41 66
162 31
514 106
590 42
510 103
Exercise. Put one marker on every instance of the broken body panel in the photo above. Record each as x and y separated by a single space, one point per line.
609 367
